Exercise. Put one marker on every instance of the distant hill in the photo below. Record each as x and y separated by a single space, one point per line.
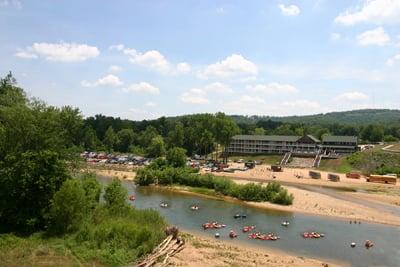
354 117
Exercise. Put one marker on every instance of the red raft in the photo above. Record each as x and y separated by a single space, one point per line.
312 235
213 225
269 236
246 229
369 244
232 234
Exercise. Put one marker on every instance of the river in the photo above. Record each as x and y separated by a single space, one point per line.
335 245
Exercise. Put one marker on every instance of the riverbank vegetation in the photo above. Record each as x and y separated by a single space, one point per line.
49 212
161 172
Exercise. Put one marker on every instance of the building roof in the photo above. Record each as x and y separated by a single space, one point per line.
294 138
340 138
273 138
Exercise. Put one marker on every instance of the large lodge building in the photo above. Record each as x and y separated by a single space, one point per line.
278 144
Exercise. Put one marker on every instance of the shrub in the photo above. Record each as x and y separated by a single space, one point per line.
115 196
68 208
167 175
176 157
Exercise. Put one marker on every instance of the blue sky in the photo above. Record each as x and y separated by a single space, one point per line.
145 59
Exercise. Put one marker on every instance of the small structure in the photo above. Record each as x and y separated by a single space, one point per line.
353 175
314 174
250 164
276 168
383 179
333 177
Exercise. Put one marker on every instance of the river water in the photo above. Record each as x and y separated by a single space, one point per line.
335 245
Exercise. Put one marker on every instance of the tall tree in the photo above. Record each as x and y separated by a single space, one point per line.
157 147
110 139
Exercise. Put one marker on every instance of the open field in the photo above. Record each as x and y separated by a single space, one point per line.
203 251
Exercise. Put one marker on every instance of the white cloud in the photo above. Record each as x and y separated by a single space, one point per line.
114 68
273 88
391 61
25 54
150 104
289 10
141 114
183 68
220 10
233 66
64 52
376 36
302 104
218 87
108 80
152 60
195 96
372 11
352 96
118 47
245 104
11 3
142 87
335 36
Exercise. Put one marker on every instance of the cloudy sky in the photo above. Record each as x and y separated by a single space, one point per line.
144 59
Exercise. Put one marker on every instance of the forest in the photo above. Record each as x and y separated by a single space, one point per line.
202 133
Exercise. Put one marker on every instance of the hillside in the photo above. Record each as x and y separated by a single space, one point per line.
354 117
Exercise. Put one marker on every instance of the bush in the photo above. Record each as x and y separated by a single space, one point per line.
92 190
69 207
116 196
176 157
28 182
167 175
118 239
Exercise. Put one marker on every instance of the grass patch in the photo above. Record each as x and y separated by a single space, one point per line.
340 165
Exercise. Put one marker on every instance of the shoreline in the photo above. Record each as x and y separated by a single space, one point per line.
305 203
201 250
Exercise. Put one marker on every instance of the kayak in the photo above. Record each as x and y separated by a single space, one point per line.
246 229
369 244
213 225
232 234
312 235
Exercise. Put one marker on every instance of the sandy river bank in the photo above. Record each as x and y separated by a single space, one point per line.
204 251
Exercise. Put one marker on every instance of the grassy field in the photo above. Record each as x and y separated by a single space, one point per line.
264 159
38 251
340 165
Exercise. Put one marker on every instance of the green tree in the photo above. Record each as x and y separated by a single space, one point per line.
10 94
69 207
177 136
126 138
89 139
115 195
28 182
157 147
176 157
259 131
110 139
92 190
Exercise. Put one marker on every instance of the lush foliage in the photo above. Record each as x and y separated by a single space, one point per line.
176 157
38 151
375 162
163 174
28 182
